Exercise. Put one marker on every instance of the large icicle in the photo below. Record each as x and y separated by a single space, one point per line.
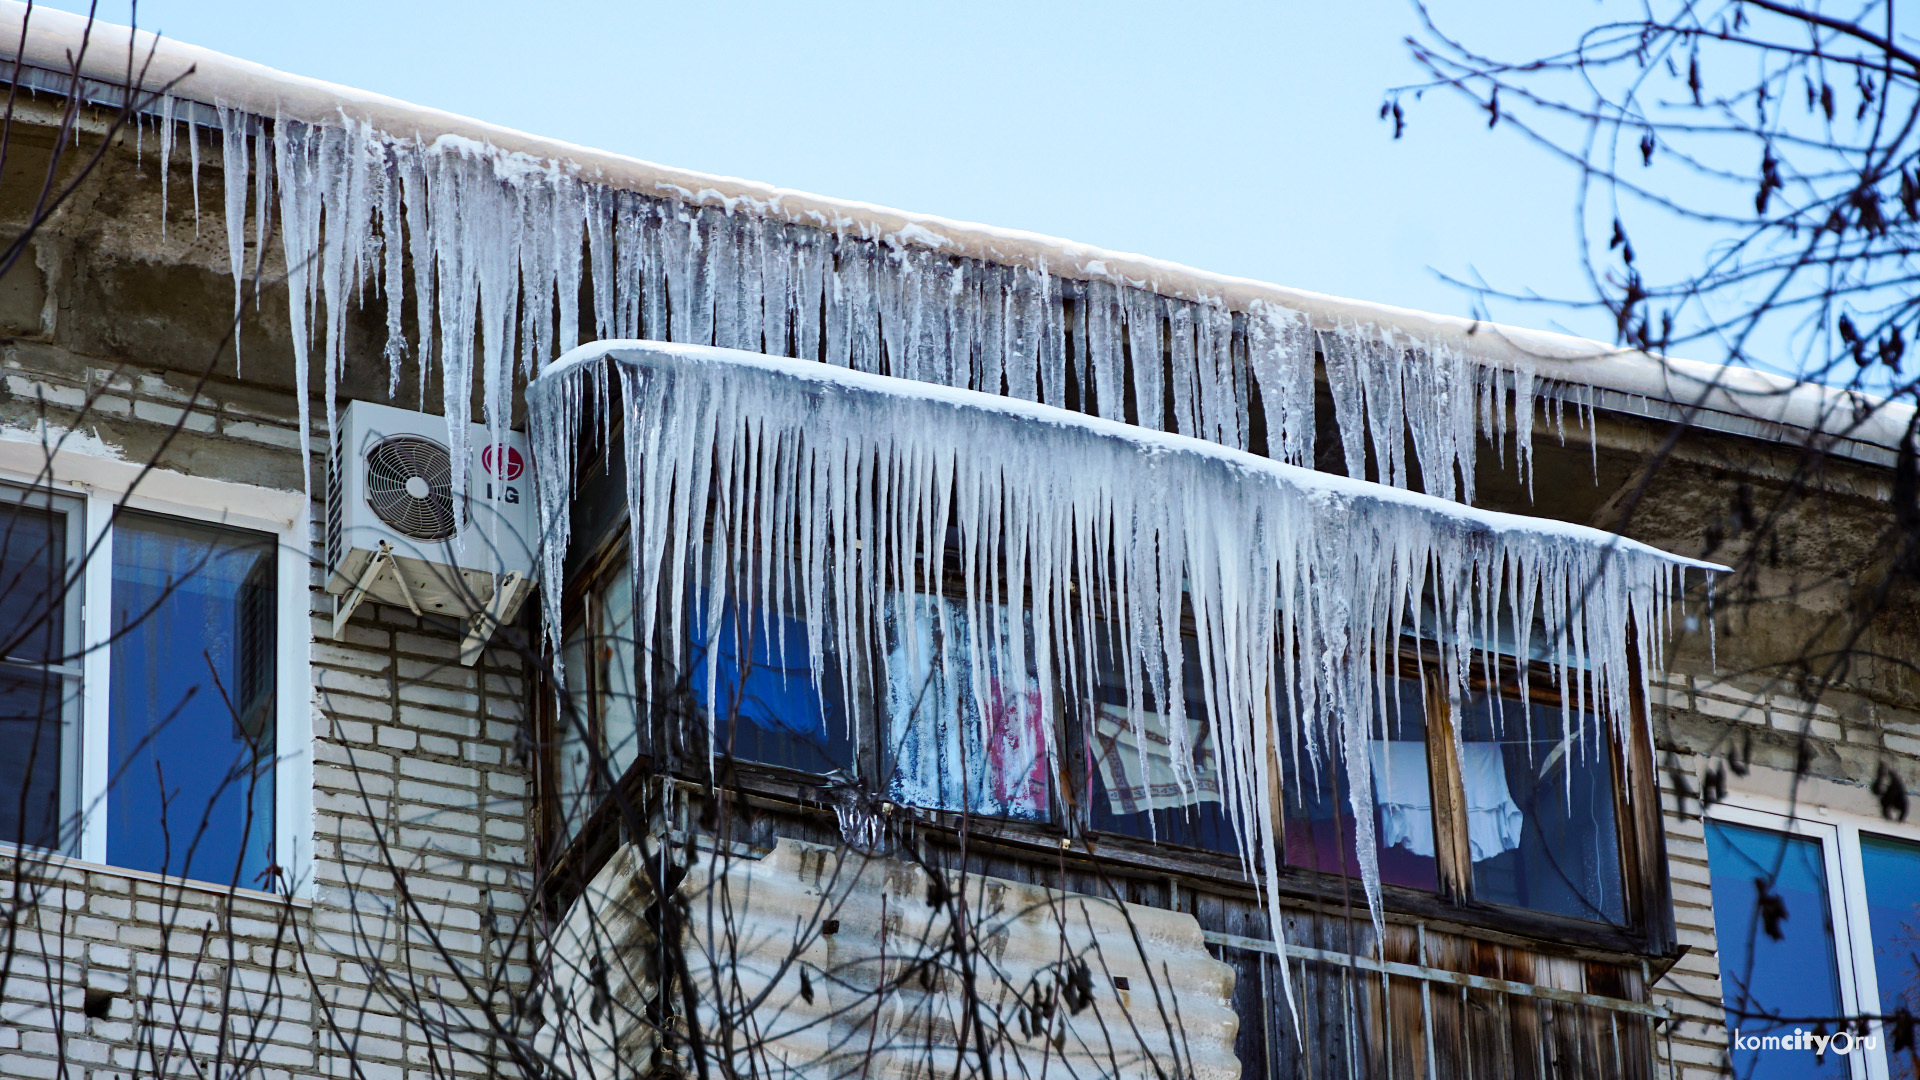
1296 582
233 169
502 244
294 166
166 155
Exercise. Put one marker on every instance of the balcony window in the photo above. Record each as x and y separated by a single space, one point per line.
1139 787
1321 828
974 551
597 734
769 706
1540 809
963 737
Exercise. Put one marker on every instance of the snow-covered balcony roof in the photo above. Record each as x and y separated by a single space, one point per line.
230 90
816 492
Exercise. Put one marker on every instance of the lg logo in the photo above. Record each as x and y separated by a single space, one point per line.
503 461
506 463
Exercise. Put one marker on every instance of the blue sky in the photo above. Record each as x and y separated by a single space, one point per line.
1236 137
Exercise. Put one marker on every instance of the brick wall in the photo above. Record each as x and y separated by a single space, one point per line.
420 821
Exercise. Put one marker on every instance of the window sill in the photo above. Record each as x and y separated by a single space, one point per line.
32 857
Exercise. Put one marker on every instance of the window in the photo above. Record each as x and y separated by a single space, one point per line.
142 719
39 667
1321 829
1527 814
959 737
1138 788
1813 919
1541 828
768 705
190 701
597 737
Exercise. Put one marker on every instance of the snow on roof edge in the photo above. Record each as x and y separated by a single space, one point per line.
1741 400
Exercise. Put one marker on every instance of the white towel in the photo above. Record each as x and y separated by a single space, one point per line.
1494 821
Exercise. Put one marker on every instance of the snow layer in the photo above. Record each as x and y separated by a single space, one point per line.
825 490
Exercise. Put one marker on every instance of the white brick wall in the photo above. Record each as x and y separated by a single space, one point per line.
421 820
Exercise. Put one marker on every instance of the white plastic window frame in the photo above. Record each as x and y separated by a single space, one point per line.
1838 833
100 484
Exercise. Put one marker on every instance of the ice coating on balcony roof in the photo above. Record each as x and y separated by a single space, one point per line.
1297 585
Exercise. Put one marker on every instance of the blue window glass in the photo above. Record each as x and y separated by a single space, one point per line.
770 707
191 701
39 673
1540 812
1769 985
1892 871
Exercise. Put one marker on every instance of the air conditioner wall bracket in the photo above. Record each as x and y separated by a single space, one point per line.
481 625
345 606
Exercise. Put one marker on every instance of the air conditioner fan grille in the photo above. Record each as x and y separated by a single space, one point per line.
410 487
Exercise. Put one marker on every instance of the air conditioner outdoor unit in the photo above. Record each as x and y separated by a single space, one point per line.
394 533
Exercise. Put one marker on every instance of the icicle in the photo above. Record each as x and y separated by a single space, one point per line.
262 202
346 212
421 250
1339 346
393 278
1593 430
233 170
600 254
1097 522
1149 369
300 237
1103 323
193 149
166 155
569 226
1389 379
1523 410
1280 351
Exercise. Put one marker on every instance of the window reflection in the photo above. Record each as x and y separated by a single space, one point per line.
1796 975
1540 809
1892 872
962 737
1135 788
1320 823
190 702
